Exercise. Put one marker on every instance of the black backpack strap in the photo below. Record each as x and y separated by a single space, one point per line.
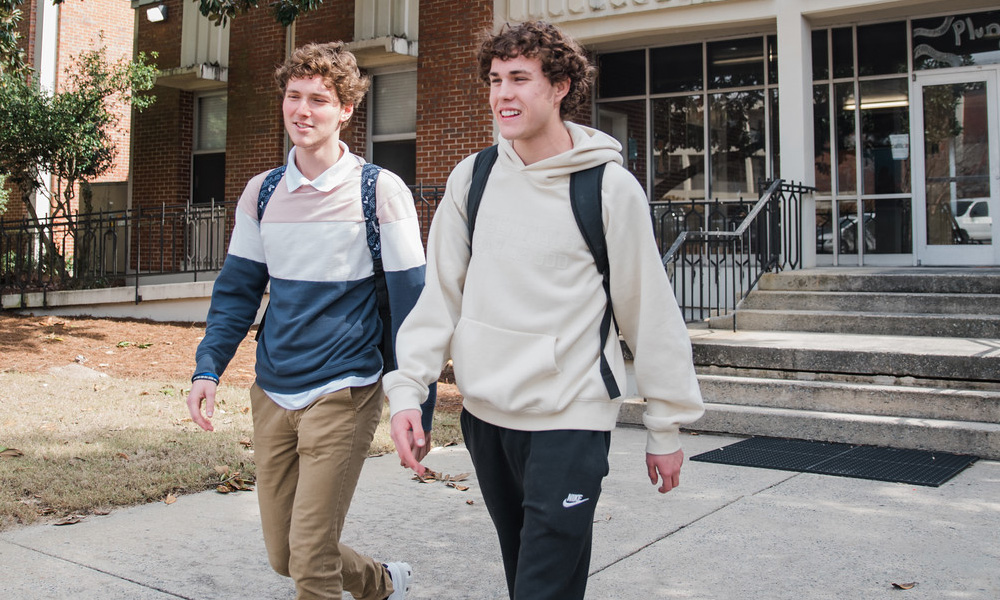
585 197
369 176
480 173
263 197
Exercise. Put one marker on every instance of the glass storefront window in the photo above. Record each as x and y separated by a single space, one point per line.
820 55
621 74
822 156
772 59
735 63
736 133
885 127
890 225
675 69
956 41
843 52
882 49
626 122
844 109
824 227
678 148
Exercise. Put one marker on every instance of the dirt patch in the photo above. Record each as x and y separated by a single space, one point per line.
128 349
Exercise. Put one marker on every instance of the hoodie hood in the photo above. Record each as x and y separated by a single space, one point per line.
591 147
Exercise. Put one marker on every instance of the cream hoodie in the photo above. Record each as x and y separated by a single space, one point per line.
521 320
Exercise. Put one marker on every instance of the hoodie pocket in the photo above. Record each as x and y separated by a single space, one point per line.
512 370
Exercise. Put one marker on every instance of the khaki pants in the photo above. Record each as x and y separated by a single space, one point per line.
308 465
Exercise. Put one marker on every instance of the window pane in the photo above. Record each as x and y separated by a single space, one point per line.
735 63
394 103
772 59
843 52
400 157
737 143
775 138
211 123
824 227
208 178
626 122
821 56
821 137
675 69
882 49
847 168
678 148
848 230
885 127
956 41
889 224
621 74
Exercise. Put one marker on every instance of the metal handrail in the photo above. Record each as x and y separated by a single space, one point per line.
712 271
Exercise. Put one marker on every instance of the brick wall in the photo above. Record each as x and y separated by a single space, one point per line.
254 130
453 117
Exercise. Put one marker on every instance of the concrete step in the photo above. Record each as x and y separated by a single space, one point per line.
984 280
874 302
925 357
853 398
833 321
963 437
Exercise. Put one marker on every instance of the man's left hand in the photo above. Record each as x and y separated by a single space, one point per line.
666 467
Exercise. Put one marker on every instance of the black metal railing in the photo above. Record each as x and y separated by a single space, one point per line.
717 252
126 247
714 252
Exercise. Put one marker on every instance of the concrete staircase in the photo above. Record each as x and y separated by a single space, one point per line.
901 357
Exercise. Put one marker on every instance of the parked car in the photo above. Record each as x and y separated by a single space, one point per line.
974 217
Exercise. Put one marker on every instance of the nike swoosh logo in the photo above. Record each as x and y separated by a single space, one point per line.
567 503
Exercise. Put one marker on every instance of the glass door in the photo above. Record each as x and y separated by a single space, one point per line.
956 170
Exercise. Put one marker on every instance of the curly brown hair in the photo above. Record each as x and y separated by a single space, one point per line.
334 63
561 57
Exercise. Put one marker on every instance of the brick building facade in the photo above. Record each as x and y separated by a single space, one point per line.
452 117
51 37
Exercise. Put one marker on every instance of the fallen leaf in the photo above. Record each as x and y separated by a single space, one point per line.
223 489
457 486
170 499
122 455
123 344
10 453
100 512
905 586
69 520
470 502
246 443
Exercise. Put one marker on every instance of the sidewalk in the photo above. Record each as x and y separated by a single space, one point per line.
726 533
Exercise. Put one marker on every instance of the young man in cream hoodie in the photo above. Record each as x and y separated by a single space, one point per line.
519 311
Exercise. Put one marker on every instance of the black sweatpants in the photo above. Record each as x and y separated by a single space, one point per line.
541 489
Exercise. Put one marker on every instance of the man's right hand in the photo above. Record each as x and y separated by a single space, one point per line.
203 389
408 434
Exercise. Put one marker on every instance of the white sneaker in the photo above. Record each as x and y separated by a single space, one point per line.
402 575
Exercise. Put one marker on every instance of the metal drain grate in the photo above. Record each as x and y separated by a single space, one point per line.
917 467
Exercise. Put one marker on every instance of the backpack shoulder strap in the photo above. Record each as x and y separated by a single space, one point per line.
263 197
267 190
369 177
585 198
480 173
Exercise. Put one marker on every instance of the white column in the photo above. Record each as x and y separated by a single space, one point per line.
796 112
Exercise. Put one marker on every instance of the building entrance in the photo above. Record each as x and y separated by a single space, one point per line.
956 167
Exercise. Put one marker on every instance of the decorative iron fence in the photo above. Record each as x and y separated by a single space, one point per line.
126 247
714 252
716 265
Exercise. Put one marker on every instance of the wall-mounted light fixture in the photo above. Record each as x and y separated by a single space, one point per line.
157 13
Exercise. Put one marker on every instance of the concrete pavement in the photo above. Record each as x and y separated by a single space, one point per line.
726 533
